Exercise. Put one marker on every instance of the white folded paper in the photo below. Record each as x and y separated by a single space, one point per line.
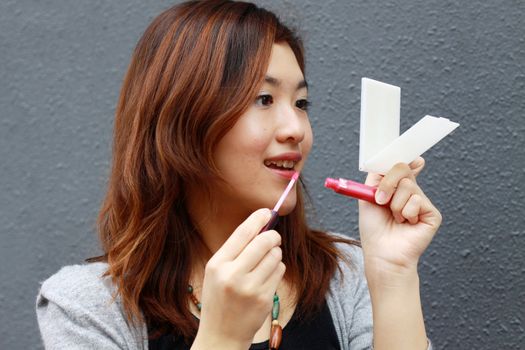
380 146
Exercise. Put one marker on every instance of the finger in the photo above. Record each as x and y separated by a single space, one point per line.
242 235
429 214
401 196
390 182
412 209
417 165
267 266
373 179
275 278
257 249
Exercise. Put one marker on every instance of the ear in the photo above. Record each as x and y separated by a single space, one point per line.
417 165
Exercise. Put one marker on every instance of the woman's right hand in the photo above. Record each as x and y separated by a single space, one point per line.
239 283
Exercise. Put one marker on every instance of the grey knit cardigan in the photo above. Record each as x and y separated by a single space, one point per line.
75 309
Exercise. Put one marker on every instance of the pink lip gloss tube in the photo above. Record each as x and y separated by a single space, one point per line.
352 189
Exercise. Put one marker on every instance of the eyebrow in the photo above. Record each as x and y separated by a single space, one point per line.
276 82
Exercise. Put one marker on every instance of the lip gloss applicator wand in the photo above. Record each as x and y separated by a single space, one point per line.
275 215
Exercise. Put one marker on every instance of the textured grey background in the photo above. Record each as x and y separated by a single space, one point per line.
61 65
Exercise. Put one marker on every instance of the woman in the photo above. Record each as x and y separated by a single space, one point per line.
211 123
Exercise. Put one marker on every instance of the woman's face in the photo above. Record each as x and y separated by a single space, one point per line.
268 143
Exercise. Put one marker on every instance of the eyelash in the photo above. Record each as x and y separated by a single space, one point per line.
303 104
265 100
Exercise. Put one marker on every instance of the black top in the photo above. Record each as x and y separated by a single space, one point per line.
316 333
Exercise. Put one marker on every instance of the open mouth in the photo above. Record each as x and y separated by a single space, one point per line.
280 164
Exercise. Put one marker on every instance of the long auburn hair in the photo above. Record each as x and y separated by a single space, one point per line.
194 72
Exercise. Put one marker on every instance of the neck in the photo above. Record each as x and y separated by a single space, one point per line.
215 222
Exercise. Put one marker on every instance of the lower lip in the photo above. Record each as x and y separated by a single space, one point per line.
287 174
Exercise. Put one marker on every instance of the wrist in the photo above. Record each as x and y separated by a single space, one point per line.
381 274
397 313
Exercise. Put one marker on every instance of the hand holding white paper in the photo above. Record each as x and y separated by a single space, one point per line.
381 147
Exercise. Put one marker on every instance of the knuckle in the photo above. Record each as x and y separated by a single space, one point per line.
419 162
387 184
277 253
388 181
267 241
242 231
262 213
401 167
244 293
225 283
416 199
406 182
277 237
395 207
409 214
396 211
282 268
262 301
211 267
229 286
407 209
270 239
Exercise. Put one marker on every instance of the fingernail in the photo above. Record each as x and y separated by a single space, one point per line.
381 197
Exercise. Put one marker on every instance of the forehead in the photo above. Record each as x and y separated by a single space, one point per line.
284 66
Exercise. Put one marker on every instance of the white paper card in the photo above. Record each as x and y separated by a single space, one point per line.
380 106
413 143
380 150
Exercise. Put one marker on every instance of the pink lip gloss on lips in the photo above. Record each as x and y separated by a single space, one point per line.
275 215
352 189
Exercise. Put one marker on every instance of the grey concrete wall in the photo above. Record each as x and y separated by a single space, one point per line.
61 65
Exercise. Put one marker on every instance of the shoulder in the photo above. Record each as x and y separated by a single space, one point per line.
83 284
77 307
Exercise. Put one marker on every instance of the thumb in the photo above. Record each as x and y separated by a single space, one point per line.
417 165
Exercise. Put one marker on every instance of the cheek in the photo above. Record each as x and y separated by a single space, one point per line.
251 143
256 137
245 144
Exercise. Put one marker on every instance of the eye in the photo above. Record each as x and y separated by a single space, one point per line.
303 104
264 100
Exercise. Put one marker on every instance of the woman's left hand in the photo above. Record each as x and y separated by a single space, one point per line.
395 235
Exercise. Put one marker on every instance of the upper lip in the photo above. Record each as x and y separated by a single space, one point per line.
296 157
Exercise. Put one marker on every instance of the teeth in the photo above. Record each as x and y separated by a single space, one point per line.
288 164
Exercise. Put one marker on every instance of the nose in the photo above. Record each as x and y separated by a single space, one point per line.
292 125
